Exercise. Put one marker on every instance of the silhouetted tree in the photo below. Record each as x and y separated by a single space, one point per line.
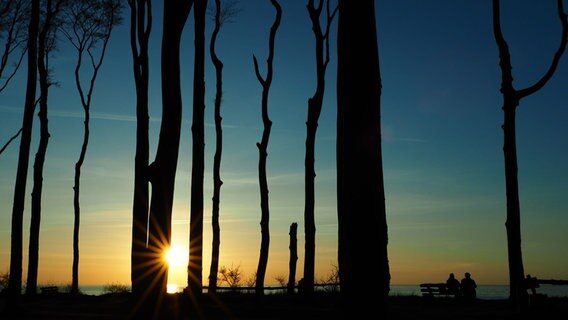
262 147
88 24
315 104
46 44
195 267
162 171
15 280
362 224
140 28
511 100
223 13
293 257
14 18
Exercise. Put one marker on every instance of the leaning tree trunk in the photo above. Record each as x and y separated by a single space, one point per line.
140 28
195 267
362 221
511 100
262 154
15 280
217 182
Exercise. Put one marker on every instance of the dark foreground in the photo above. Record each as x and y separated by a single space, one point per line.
277 306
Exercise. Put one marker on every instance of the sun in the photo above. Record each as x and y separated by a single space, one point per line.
176 256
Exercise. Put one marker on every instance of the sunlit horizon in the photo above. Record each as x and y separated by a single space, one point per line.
442 148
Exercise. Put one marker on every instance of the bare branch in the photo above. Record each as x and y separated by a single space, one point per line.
10 141
561 48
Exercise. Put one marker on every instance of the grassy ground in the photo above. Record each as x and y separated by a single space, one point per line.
275 306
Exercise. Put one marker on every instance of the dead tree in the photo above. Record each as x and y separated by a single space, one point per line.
511 100
222 14
262 147
315 104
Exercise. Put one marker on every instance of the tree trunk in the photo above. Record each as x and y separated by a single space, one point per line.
217 182
140 28
76 202
43 52
163 171
314 110
293 257
262 147
511 100
15 280
518 293
195 267
362 224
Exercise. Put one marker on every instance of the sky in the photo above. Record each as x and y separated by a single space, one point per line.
442 147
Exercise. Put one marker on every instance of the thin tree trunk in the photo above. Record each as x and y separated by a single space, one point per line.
362 224
293 257
15 280
76 202
140 28
195 267
43 58
217 182
81 41
511 100
262 147
314 110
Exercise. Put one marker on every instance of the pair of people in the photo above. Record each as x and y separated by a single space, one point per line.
466 288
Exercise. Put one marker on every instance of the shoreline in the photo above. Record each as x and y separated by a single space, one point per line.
273 306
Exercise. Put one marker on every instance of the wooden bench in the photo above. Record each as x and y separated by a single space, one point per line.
433 290
49 290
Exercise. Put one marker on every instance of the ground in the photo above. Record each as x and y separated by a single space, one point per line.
276 306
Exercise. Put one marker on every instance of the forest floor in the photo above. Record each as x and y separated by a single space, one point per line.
275 306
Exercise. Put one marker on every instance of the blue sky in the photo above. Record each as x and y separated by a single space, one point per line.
442 145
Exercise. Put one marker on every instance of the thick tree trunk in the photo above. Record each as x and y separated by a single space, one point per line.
15 280
362 221
195 267
140 28
163 171
262 154
217 182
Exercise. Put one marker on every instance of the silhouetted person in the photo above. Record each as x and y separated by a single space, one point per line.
468 287
531 283
452 285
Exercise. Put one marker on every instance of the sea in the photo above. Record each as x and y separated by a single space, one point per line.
486 292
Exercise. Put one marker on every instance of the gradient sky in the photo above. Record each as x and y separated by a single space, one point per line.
442 146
